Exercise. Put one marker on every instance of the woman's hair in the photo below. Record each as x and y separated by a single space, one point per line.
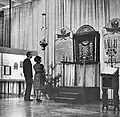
37 58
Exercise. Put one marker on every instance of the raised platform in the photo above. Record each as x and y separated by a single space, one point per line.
78 95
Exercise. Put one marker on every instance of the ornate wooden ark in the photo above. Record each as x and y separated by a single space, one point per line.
87 53
87 45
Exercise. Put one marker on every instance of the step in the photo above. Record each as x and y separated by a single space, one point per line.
72 93
68 94
71 89
65 100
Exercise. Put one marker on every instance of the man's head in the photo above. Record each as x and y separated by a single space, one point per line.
29 54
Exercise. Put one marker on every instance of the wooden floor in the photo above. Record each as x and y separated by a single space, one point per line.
17 107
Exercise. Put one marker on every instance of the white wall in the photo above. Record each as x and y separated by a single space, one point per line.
10 59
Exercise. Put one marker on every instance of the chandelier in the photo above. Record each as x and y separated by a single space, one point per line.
43 42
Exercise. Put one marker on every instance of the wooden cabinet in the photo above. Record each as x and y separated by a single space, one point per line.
87 47
86 50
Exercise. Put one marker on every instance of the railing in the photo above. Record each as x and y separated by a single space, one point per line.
12 86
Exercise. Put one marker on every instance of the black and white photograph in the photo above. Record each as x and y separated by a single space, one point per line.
59 58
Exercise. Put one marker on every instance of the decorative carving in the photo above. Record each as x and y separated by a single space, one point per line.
85 28
63 33
86 51
113 26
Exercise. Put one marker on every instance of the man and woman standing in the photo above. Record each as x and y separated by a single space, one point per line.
39 76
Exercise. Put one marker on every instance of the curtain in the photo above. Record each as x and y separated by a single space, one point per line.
25 25
69 74
1 27
27 21
6 40
76 13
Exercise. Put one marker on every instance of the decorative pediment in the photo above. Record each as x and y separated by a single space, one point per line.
85 29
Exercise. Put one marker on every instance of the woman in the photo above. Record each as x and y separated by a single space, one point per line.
39 77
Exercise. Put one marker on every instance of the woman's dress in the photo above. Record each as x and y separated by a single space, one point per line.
39 76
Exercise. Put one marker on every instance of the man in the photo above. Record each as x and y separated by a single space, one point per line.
27 70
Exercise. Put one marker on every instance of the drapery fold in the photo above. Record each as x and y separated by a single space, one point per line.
25 25
76 13
27 21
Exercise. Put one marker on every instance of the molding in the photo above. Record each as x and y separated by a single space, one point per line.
16 51
81 63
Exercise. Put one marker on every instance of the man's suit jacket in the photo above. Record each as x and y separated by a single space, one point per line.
27 70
